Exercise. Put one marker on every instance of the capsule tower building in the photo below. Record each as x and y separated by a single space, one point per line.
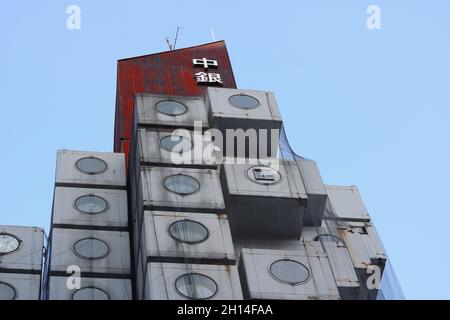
202 198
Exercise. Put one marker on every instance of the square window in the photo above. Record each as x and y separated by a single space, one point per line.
264 174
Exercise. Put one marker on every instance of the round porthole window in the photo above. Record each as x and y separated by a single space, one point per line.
91 165
7 292
90 293
188 231
263 175
243 101
329 237
91 248
171 107
289 272
179 143
91 204
181 184
8 243
196 286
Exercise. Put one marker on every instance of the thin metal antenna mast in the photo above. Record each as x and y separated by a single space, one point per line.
176 38
168 43
172 46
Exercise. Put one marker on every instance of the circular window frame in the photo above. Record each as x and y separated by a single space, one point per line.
90 287
162 147
286 282
91 213
198 274
188 242
12 288
91 258
241 108
20 241
92 173
168 114
181 194
339 239
266 183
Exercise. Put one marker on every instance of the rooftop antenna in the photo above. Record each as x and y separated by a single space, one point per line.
172 46
176 37
168 43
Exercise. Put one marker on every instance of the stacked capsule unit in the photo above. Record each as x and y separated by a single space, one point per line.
269 201
182 241
21 254
89 243
348 220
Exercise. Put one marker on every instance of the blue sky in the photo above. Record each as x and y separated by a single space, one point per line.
372 107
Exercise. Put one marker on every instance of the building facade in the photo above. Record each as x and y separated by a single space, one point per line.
202 198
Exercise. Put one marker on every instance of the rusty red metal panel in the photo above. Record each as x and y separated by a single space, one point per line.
171 73
125 147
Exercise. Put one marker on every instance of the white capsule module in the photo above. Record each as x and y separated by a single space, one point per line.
177 236
163 110
287 275
181 187
176 147
364 246
338 254
14 286
21 248
264 199
345 203
238 113
91 250
169 281
90 207
63 288
91 168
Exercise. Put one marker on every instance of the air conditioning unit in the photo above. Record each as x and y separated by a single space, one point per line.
287 275
264 200
21 248
162 110
14 286
90 207
94 251
187 236
171 281
84 168
63 288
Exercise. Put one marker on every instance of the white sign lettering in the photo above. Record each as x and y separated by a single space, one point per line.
206 63
205 77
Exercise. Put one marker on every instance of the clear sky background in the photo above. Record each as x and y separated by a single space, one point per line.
371 107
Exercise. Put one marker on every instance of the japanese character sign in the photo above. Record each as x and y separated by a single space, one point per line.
206 63
205 77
